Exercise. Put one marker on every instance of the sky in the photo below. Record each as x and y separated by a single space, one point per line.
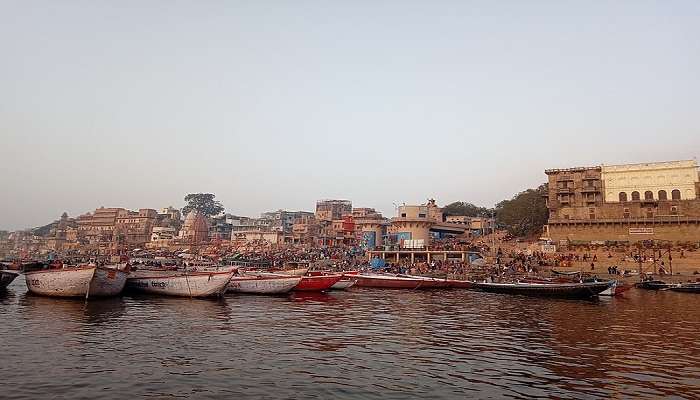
276 104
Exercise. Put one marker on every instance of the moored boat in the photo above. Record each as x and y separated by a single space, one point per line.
457 284
317 283
6 277
686 287
566 290
79 281
653 285
428 282
180 283
387 281
263 284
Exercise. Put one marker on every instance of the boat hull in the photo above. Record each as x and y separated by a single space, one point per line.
386 282
459 284
562 290
108 282
653 285
687 288
344 284
317 283
263 285
65 282
197 284
6 277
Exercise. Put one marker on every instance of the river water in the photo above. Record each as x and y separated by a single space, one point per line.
359 344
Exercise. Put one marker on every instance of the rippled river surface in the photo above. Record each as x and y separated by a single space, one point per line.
359 344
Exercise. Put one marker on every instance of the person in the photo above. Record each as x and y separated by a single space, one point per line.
592 266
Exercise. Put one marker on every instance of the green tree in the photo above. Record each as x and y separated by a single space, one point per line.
466 209
525 214
204 203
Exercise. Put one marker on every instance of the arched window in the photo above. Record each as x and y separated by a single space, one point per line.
648 195
663 195
635 196
676 194
623 197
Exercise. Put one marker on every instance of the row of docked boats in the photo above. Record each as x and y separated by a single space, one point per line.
654 284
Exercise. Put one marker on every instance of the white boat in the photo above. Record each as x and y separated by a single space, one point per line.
81 281
344 283
6 277
263 284
179 283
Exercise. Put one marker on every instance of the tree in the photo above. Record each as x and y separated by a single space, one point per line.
204 203
525 214
466 209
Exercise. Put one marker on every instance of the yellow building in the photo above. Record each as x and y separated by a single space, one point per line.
672 180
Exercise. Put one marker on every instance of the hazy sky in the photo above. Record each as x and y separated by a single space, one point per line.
275 104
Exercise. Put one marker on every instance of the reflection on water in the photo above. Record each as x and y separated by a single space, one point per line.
362 343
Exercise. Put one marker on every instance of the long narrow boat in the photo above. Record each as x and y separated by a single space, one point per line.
457 284
653 285
317 283
428 282
387 281
180 283
687 287
80 281
263 284
566 290
6 277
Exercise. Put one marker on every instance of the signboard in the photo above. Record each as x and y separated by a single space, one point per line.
548 248
641 231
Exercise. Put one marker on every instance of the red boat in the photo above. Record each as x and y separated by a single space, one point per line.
459 284
317 283
387 281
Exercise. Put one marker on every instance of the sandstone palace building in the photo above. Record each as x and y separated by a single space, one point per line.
632 202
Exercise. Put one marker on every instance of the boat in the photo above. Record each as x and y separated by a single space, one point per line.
566 273
180 283
428 282
386 281
566 290
78 281
653 285
317 283
615 289
686 287
6 277
293 272
345 283
263 284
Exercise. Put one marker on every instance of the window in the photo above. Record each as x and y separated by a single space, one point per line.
676 194
623 197
421 215
663 195
403 215
635 196
591 213
674 210
627 213
648 195
650 213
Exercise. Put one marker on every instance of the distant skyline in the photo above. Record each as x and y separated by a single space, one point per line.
274 105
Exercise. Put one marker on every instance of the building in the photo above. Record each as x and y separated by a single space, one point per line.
134 227
418 225
370 227
629 203
332 210
477 225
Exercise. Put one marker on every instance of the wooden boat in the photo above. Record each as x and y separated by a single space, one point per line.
653 285
566 290
180 283
344 283
427 282
79 281
6 277
566 273
387 281
686 287
615 289
293 272
263 284
317 283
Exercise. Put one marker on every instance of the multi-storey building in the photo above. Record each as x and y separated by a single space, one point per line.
633 202
330 210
